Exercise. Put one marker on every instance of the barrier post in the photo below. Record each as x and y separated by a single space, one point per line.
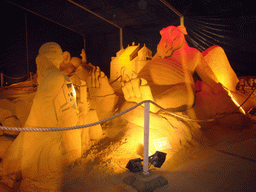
30 76
2 79
146 136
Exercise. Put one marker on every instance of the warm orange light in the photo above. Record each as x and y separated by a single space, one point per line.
218 62
238 105
132 59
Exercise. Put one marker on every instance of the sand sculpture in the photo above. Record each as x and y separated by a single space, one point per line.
99 90
168 79
132 58
34 154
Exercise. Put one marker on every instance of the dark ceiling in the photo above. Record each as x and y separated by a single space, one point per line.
230 24
133 14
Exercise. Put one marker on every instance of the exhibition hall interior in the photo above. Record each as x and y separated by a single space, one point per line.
142 95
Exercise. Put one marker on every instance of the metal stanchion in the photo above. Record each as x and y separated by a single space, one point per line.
145 181
146 137
2 79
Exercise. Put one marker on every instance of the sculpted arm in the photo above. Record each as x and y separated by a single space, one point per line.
177 97
46 102
206 74
42 112
50 87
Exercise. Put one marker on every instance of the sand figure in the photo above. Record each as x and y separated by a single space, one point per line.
79 75
168 78
34 154
101 95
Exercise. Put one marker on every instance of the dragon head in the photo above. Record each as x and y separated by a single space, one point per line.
172 39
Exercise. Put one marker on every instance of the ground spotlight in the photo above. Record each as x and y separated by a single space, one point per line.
134 165
157 159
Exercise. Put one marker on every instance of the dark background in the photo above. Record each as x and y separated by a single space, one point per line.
231 25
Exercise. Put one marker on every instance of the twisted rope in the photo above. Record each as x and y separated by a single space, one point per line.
112 117
16 77
69 128
91 124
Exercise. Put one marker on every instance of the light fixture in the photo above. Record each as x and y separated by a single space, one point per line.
157 159
134 165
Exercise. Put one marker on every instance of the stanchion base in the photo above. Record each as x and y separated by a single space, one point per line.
145 183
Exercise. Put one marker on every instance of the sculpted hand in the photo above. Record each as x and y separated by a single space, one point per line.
137 90
93 79
98 83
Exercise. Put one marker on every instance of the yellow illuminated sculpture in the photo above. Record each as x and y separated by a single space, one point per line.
168 78
101 96
132 58
34 154
79 75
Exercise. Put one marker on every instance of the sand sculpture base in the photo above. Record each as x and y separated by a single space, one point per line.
147 183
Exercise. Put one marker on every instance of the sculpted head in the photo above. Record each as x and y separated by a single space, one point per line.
172 39
49 54
53 52
75 61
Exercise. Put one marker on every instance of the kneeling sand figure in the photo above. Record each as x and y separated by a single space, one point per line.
168 78
34 154
101 96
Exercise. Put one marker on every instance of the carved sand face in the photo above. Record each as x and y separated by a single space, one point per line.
172 39
49 54
53 52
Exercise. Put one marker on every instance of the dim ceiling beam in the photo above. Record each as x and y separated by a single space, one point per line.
174 10
44 17
97 15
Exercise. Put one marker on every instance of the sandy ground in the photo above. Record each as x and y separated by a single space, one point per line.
205 156
102 167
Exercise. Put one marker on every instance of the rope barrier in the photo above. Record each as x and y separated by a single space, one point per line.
107 119
69 128
15 87
16 77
